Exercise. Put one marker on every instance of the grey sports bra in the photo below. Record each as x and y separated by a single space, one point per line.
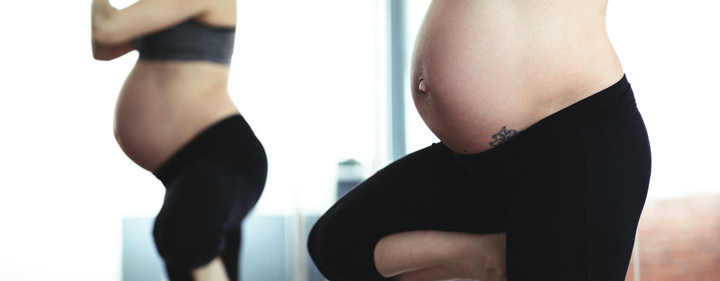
189 40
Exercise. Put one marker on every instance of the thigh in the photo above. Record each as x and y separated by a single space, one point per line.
546 223
425 190
574 215
619 163
200 207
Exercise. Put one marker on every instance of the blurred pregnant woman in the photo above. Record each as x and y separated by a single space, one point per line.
544 161
174 117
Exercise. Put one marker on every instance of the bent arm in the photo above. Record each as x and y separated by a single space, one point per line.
113 30
111 26
102 16
101 12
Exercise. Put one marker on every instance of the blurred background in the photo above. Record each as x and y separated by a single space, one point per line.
323 83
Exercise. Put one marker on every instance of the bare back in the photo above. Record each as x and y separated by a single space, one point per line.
482 65
164 104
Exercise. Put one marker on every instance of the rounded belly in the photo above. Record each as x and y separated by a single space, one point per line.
163 105
484 69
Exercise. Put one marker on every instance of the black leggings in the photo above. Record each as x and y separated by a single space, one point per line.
212 183
568 191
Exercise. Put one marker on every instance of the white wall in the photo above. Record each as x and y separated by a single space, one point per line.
670 52
65 185
303 75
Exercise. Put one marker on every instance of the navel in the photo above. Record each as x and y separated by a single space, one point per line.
422 86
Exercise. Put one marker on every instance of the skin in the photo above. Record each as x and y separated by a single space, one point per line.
482 69
437 255
164 104
158 96
487 64
215 270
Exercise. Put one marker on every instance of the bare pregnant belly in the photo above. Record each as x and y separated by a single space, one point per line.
162 106
484 70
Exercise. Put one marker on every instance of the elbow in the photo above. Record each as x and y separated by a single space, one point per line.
104 52
99 50
101 56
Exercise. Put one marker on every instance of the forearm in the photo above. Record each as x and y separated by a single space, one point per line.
104 45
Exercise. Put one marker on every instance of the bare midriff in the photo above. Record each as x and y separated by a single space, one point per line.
483 65
165 104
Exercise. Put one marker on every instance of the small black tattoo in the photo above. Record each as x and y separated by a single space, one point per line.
503 136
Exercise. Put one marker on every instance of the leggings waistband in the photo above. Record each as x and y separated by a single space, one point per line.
230 139
616 98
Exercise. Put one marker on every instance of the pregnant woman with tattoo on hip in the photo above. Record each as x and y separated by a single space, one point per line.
543 166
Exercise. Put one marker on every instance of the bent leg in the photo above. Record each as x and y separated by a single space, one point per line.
200 218
426 190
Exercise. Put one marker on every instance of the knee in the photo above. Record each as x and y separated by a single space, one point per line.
322 251
315 245
340 255
325 244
